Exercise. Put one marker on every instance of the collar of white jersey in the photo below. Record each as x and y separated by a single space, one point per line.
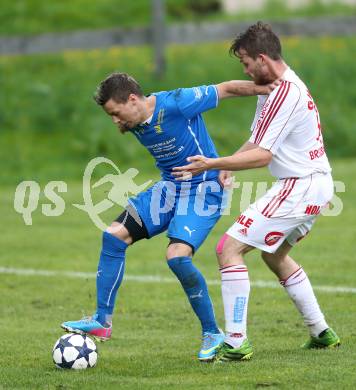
288 72
147 121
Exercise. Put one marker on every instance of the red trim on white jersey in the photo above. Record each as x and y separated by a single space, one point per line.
292 112
272 111
278 199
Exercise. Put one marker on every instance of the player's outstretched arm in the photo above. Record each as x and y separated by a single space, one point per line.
254 158
236 88
225 176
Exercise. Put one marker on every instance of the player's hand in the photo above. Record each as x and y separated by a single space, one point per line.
268 88
198 164
272 86
225 179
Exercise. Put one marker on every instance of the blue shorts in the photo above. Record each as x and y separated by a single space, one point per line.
188 212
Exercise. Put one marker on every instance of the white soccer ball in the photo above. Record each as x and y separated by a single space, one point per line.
74 351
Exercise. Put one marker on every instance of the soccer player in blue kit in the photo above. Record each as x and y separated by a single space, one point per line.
170 125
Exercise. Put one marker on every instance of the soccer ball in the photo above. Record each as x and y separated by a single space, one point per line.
74 351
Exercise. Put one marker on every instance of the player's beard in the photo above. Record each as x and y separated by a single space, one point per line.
124 128
262 79
261 76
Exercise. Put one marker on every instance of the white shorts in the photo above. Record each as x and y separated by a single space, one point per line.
286 212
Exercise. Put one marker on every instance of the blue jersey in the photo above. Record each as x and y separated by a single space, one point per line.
177 129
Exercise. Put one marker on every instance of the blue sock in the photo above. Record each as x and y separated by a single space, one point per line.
109 277
196 289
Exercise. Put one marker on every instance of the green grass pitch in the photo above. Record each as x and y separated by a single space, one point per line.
156 337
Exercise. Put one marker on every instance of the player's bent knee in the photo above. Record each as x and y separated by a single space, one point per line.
228 245
272 257
178 250
119 231
265 256
229 250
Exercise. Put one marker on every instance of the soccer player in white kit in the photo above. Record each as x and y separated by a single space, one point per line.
286 136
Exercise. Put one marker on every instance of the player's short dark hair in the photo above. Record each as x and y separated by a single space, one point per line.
117 86
258 39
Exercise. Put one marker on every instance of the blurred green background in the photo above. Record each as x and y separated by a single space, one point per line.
50 126
37 16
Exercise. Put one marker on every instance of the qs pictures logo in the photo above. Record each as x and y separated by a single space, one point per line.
164 195
28 193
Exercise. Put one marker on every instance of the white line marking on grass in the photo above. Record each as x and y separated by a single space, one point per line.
156 279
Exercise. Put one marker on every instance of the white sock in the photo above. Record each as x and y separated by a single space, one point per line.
301 292
235 288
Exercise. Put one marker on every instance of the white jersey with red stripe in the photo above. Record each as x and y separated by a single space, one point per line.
286 212
287 123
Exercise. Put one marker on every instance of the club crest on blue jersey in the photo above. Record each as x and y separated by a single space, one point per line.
160 116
